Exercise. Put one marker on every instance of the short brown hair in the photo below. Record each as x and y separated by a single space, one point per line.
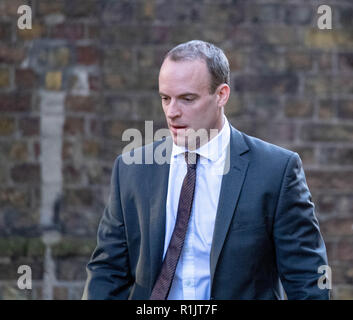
216 61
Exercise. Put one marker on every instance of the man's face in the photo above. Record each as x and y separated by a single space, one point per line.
184 87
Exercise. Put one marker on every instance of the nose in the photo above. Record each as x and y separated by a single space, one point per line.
173 110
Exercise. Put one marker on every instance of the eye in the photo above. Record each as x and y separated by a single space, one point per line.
165 99
188 99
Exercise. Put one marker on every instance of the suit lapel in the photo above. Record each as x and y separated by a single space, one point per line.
158 196
231 186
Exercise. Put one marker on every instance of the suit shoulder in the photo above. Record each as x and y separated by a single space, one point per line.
267 150
268 160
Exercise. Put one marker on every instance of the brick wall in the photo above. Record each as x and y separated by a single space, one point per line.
88 70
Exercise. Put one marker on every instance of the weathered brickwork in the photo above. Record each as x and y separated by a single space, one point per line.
88 70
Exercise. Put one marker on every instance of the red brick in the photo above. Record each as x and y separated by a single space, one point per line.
332 203
148 57
74 126
19 151
68 31
336 156
88 55
82 8
327 109
345 109
340 180
325 203
345 15
327 132
29 126
79 197
147 79
110 149
337 227
95 127
298 108
46 7
38 31
16 197
69 149
98 174
241 35
341 84
91 148
276 83
94 31
299 61
10 7
274 132
125 80
236 60
340 273
26 173
4 77
36 150
344 250
9 54
297 15
72 175
115 58
25 78
7 126
115 128
71 268
119 11
343 292
15 102
80 103
61 293
346 62
5 31
95 83
324 60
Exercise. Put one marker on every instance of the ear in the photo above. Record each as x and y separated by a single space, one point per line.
223 93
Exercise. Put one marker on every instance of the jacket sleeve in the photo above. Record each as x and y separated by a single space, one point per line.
300 249
108 271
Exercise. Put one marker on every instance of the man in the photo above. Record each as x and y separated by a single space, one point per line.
188 230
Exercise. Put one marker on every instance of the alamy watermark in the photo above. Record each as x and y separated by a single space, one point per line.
189 139
325 20
25 280
325 281
25 20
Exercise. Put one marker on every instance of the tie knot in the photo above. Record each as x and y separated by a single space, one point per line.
191 159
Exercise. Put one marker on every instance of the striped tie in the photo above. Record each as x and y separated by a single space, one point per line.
164 281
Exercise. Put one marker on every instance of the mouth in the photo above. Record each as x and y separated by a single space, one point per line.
175 128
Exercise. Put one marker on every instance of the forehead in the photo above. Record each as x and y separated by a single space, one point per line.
175 77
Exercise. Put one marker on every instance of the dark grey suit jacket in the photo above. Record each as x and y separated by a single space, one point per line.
265 235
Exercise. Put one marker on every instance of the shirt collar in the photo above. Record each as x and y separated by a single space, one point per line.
213 149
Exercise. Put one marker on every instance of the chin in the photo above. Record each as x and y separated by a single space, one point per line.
179 141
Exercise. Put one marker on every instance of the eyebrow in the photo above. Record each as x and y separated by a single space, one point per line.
181 95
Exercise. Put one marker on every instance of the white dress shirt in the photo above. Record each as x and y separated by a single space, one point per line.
192 275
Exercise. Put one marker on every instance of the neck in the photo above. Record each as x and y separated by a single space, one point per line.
208 135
